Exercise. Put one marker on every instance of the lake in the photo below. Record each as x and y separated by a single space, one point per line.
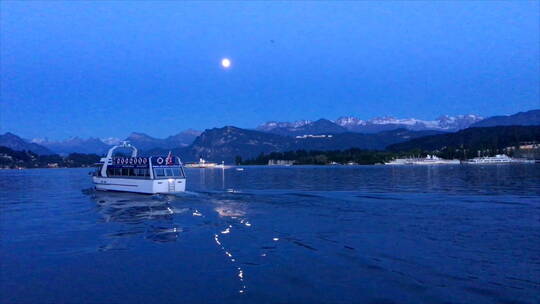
362 234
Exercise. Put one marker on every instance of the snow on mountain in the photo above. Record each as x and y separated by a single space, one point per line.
349 121
111 140
378 124
286 125
450 123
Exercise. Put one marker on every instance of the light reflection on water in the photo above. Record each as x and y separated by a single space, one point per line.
150 216
153 217
275 235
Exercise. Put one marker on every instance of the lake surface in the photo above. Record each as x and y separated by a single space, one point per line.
366 234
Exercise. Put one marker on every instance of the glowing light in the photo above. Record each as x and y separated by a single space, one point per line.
226 63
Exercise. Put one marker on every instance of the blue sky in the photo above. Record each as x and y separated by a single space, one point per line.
107 68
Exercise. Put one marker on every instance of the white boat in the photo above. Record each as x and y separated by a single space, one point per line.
497 159
222 166
434 160
201 164
151 175
428 160
400 161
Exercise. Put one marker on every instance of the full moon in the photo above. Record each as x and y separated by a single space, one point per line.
225 62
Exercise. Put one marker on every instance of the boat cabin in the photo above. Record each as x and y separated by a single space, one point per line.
151 175
140 167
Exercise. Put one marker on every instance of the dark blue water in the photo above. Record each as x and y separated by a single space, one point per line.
451 234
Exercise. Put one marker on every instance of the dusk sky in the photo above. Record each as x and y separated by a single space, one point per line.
106 68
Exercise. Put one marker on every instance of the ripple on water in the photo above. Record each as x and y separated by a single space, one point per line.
345 235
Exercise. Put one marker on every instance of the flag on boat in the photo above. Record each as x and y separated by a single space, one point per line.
169 160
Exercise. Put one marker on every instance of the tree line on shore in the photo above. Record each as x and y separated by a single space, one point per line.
370 157
10 159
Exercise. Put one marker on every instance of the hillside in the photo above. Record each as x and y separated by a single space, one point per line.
473 139
529 118
10 158
16 143
226 143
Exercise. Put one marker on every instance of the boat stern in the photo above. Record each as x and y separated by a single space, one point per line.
171 185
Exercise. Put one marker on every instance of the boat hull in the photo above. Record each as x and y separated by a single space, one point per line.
148 186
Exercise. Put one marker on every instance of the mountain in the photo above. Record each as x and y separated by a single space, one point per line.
16 143
352 124
146 142
473 139
75 145
184 138
321 126
529 118
271 125
100 146
226 143
376 141
378 124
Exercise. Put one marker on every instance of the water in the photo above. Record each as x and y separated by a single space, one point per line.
370 234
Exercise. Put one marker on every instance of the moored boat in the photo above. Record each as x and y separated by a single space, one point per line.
150 175
434 160
497 159
428 160
201 164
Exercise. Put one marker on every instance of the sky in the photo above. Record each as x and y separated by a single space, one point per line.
107 68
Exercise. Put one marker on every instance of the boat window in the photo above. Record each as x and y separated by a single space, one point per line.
117 171
110 171
125 172
141 172
159 172
169 172
176 172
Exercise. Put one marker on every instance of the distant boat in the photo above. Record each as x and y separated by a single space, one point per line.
223 166
150 175
434 160
428 160
201 164
497 159
400 161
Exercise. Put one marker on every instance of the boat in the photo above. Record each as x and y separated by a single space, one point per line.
434 160
400 161
150 175
497 159
201 164
222 166
428 160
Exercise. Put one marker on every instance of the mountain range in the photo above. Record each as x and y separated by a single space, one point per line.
224 144
375 125
100 146
227 142
16 143
529 118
